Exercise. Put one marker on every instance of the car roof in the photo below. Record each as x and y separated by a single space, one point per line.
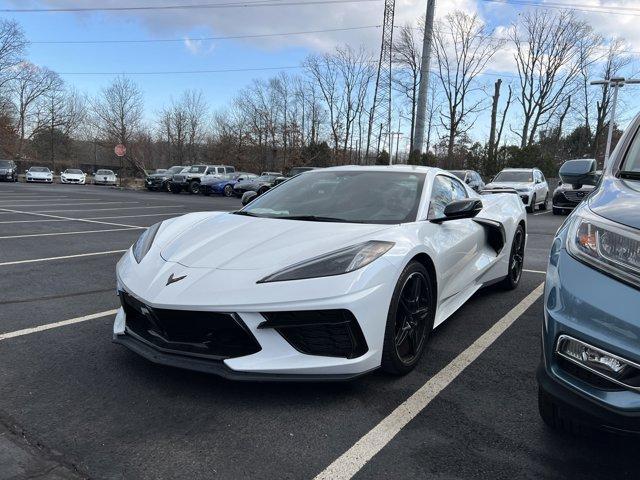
519 169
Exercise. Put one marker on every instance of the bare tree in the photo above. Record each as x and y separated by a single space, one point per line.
463 47
547 51
12 46
30 83
407 55
118 112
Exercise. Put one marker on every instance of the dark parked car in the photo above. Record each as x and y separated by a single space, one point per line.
566 196
8 171
159 180
293 172
470 177
590 364
259 185
224 186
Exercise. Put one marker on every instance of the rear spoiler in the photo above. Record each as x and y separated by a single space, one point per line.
498 190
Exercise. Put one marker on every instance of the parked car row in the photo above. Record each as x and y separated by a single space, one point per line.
217 180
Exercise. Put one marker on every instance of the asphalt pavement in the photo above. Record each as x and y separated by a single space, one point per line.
74 405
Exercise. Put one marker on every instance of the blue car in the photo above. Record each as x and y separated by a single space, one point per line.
224 185
590 369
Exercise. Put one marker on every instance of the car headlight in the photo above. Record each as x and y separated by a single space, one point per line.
605 245
144 242
338 262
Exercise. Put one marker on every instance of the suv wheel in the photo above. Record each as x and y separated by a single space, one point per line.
544 205
532 207
194 187
228 190
175 188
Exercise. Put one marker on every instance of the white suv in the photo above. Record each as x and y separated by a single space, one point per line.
528 182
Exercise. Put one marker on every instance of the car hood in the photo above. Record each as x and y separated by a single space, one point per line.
73 175
236 242
159 175
509 185
617 200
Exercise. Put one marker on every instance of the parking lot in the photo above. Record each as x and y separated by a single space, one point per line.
74 405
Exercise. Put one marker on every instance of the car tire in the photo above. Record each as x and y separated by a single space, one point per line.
544 205
405 339
532 207
194 187
166 186
175 188
228 191
557 211
262 190
516 260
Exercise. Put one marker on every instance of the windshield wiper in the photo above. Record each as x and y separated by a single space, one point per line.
630 174
244 212
316 218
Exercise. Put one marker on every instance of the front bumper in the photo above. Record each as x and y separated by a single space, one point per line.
366 294
39 180
79 181
592 307
8 177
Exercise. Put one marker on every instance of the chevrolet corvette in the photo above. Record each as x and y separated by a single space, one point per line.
328 276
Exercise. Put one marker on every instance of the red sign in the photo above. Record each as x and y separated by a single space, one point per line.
120 150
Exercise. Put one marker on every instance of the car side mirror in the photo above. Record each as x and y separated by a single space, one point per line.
466 208
579 172
248 197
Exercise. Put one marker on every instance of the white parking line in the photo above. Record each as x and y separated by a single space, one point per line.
49 326
101 209
69 218
93 218
81 232
542 213
534 271
350 463
73 204
64 257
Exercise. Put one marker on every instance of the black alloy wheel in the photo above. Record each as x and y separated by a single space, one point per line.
228 190
516 260
409 321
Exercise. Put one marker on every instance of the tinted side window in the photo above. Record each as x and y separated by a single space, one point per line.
445 190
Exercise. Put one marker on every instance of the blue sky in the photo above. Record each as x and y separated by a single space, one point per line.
219 88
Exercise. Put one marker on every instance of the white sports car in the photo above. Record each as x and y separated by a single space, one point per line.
73 175
39 174
330 275
104 177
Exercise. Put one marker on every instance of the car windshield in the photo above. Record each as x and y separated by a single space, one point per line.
104 172
39 169
514 176
344 196
73 171
5 164
161 170
459 173
197 169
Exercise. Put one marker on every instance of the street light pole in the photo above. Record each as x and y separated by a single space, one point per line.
615 83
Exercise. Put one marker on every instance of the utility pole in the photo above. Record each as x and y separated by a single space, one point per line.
421 113
615 83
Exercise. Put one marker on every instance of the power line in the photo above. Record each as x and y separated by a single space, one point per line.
201 6
185 72
613 9
199 39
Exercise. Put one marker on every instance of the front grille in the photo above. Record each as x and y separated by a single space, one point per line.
211 334
574 196
329 333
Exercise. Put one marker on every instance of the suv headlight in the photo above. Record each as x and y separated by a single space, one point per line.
338 262
605 245
144 242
